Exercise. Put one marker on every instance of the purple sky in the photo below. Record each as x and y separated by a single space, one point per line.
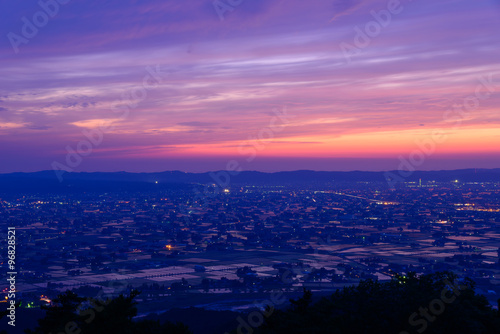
221 84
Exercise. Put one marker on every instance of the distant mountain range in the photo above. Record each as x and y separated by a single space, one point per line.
48 181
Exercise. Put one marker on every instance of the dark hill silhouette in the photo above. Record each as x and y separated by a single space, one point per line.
431 304
434 303
199 321
47 181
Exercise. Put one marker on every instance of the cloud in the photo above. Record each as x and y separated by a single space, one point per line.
95 123
344 7
11 125
39 127
265 55
198 124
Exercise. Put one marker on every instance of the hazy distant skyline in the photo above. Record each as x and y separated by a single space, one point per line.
213 85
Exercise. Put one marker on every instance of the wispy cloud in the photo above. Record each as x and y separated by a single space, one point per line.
223 79
344 7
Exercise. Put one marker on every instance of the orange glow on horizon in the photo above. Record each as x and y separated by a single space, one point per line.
357 145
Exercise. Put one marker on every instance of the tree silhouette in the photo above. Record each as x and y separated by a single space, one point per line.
398 306
73 314
61 315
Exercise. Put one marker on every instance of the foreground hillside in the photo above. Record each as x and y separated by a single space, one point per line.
434 304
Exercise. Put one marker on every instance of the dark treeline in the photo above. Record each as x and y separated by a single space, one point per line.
432 304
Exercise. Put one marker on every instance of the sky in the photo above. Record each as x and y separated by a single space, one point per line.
269 85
